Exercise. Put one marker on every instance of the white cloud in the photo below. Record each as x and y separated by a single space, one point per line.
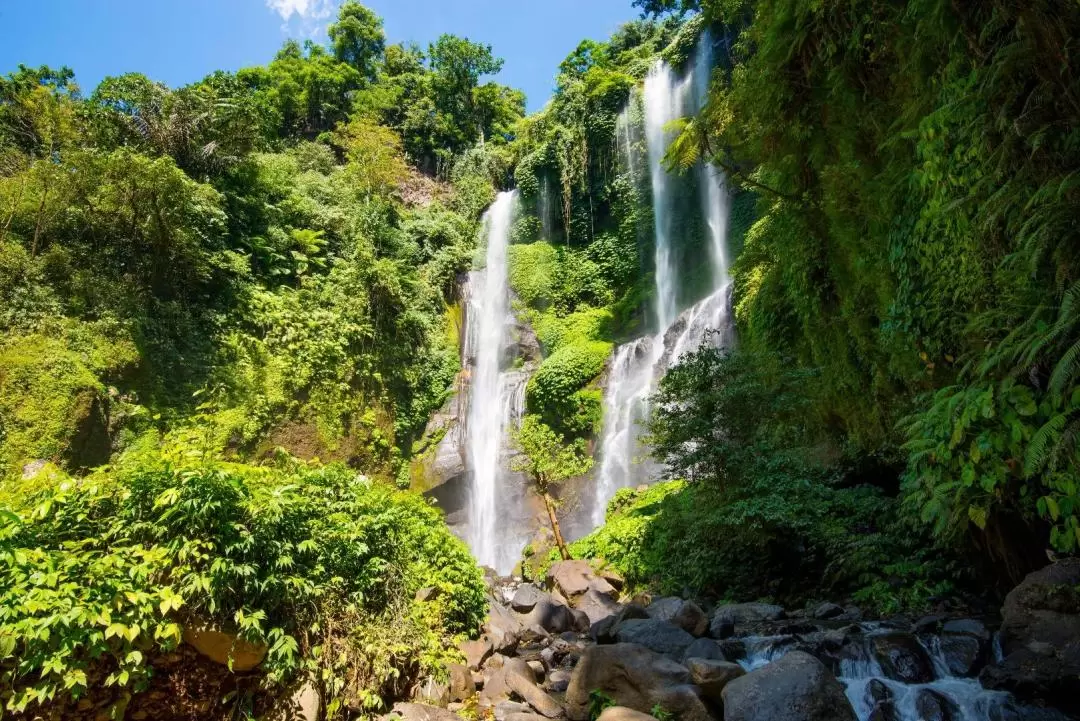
304 17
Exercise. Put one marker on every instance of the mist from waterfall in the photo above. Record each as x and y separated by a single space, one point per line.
638 365
496 396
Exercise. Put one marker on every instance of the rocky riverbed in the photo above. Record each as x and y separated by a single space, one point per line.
575 647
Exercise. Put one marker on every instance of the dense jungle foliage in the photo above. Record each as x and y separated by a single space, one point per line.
900 407
207 293
199 287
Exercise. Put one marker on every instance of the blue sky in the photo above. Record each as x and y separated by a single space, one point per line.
180 41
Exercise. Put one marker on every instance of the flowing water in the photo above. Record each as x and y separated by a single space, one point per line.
496 396
971 701
637 366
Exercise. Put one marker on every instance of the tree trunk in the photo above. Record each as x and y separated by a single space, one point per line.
563 550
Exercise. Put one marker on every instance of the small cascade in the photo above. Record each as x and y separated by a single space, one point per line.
625 406
637 366
867 683
496 396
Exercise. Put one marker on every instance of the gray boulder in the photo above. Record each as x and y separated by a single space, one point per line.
597 606
880 700
551 616
574 578
603 631
687 615
656 635
797 687
622 713
727 618
634 677
828 610
462 685
902 657
503 629
525 597
704 648
713 676
477 652
1040 638
421 712
964 655
933 706
522 682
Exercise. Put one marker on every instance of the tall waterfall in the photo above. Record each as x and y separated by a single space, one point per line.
496 396
637 366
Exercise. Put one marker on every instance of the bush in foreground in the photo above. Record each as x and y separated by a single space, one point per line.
317 563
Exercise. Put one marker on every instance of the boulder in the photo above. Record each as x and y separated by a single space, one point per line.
612 576
505 710
828 610
687 615
525 597
421 712
433 693
797 687
301 703
227 649
704 648
522 682
503 629
964 655
548 615
712 676
726 618
902 657
574 578
933 706
581 622
967 627
1040 638
604 631
622 713
476 652
1012 711
880 700
462 685
634 677
1043 609
524 716
597 606
656 635
558 680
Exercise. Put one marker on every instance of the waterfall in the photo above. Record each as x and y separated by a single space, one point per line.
664 102
495 395
637 366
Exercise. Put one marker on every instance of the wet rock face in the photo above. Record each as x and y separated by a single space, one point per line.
796 687
880 700
933 706
1040 639
902 657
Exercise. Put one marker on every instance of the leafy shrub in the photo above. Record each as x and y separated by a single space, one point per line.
306 559
552 392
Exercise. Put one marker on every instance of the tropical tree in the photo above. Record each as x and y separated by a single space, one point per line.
549 460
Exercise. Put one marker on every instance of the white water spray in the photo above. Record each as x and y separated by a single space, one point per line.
637 366
495 398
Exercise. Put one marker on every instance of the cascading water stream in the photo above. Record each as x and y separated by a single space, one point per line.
969 700
495 396
637 366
